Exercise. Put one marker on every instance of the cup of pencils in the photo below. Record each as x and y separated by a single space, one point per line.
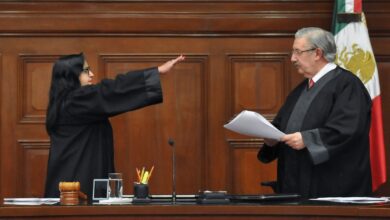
141 188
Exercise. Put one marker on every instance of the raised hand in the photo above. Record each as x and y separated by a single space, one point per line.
167 66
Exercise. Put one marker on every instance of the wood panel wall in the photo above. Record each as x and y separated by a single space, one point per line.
237 58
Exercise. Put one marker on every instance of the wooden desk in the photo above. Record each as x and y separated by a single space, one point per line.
215 212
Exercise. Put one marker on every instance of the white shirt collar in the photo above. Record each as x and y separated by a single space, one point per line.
327 68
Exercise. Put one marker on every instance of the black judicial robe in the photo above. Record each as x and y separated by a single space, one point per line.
82 145
334 120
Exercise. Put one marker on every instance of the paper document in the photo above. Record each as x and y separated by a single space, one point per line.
253 124
31 201
116 201
354 200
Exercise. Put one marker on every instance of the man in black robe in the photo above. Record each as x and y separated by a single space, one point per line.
77 118
325 151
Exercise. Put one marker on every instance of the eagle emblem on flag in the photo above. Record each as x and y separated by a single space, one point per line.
360 62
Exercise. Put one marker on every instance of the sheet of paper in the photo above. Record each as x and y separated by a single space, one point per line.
354 200
116 201
30 201
253 124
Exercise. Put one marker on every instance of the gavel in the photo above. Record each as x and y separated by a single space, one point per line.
68 190
69 186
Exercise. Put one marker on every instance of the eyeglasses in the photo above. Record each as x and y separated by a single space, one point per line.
86 70
300 52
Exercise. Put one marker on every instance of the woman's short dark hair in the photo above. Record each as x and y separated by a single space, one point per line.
65 78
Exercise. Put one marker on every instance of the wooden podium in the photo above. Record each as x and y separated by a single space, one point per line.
192 211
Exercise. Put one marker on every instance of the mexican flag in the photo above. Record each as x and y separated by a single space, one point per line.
354 52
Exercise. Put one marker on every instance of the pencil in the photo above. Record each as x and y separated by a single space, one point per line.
150 173
142 173
138 174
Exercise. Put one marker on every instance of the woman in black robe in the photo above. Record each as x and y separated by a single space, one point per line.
77 118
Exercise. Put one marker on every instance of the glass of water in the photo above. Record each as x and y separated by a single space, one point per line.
115 184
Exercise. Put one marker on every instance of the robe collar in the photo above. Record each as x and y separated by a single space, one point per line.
326 69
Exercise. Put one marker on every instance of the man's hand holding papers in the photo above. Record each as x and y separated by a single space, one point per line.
253 124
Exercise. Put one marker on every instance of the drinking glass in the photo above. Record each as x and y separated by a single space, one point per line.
115 185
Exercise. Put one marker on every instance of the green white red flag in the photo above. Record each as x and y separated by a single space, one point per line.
354 52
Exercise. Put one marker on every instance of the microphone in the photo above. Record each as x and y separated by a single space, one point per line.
171 142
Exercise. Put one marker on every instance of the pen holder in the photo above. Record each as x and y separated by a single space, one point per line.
141 191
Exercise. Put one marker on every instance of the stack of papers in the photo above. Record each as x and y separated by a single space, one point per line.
116 201
31 201
253 124
355 200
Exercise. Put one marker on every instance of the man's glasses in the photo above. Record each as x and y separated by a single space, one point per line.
300 52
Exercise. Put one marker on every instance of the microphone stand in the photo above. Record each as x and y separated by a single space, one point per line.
171 142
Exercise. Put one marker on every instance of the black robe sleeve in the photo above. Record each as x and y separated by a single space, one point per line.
111 97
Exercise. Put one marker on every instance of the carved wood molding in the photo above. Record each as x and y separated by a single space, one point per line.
250 18
284 64
245 143
26 177
26 111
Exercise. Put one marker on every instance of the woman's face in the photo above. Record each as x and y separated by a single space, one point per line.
86 75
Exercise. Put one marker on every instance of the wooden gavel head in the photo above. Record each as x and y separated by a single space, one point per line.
69 186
